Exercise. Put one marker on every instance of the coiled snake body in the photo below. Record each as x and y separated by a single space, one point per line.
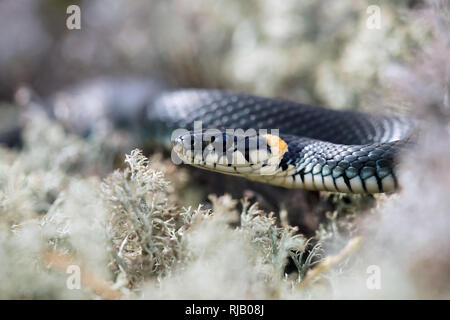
314 148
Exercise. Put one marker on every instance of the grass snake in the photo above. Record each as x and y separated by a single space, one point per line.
314 148
303 146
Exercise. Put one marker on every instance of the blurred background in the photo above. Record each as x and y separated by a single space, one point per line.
325 53
310 51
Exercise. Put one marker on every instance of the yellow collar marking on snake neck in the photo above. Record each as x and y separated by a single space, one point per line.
276 144
277 147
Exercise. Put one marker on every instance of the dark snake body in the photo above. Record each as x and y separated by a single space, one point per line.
342 151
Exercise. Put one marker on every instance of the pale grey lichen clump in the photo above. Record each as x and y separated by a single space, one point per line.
44 209
177 252
126 233
143 226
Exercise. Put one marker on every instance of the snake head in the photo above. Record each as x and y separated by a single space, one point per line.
236 152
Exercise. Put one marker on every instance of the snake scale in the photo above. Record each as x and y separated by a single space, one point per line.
312 148
316 148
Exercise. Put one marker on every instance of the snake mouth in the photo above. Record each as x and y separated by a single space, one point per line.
231 152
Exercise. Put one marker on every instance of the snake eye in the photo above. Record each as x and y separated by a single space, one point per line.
212 140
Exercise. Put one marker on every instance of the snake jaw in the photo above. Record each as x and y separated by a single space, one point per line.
256 157
268 159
